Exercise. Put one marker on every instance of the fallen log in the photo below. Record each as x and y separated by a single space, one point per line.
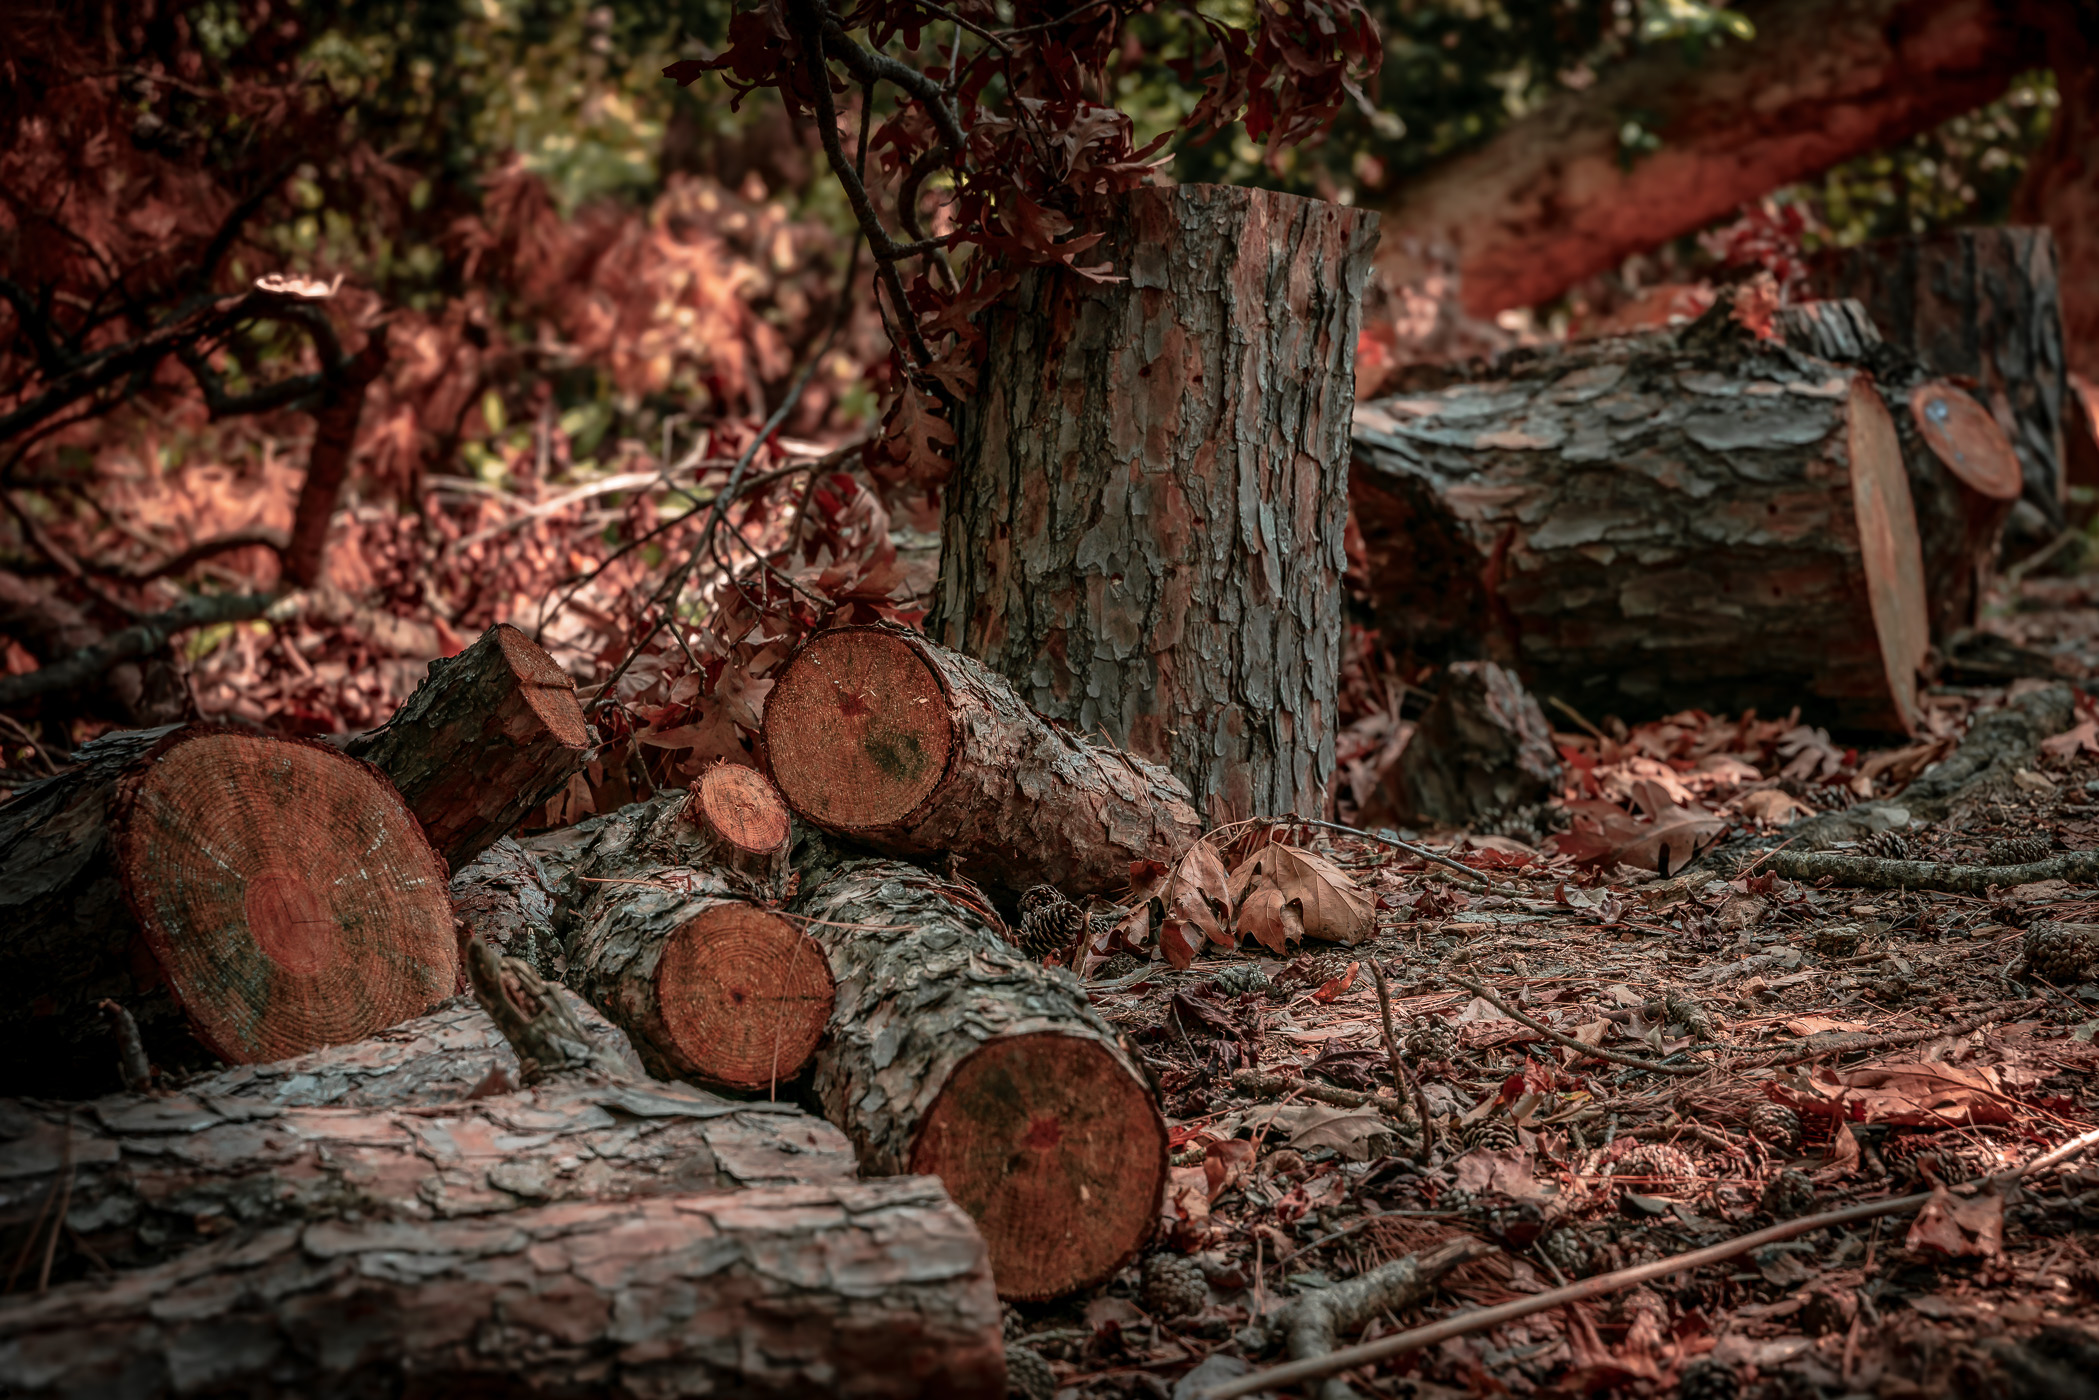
1687 519
486 738
711 986
954 1055
878 735
864 1289
246 898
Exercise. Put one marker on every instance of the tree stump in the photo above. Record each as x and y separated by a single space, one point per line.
875 734
871 1290
1483 751
954 1055
1690 519
486 738
1144 526
710 986
246 898
1984 304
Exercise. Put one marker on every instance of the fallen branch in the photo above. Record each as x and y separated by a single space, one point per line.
1423 852
1895 1039
1253 1081
1312 1322
1480 1319
1875 873
1570 1042
1402 1082
142 638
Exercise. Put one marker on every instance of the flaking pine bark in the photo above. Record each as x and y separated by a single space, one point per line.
952 1054
1144 526
246 898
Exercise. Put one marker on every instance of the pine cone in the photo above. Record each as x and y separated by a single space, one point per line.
1838 940
1174 1286
1489 1135
1028 1376
2061 954
1312 970
1241 979
1658 1168
1887 845
1788 1196
1049 923
1568 1249
2020 850
1708 1379
1687 1011
1429 1040
1944 1157
1777 1125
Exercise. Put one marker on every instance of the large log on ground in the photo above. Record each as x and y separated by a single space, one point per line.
143 1177
869 1290
1144 528
954 1055
711 986
876 734
1982 304
1686 519
246 898
486 738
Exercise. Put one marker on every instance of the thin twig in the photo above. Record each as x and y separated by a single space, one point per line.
1394 842
1895 1039
1570 1042
1400 1078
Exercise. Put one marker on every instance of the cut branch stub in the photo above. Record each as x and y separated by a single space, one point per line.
953 1054
1961 433
877 734
742 822
484 740
281 895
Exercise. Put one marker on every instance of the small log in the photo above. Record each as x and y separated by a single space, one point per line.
146 1177
712 987
1482 751
486 738
954 1055
741 824
245 898
1686 519
876 734
871 1289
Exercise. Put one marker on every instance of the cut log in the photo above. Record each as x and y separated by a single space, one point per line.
1483 751
145 1177
711 987
1143 531
876 734
450 1055
741 825
954 1055
246 898
864 1289
1982 304
1964 476
490 735
1689 519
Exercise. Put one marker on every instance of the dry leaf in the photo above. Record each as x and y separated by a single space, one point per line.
1327 903
2084 737
1180 941
1196 893
1226 1164
1775 806
1912 1093
1270 920
1956 1228
1331 989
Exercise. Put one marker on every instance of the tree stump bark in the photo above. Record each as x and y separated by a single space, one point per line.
1144 527
1982 303
488 737
863 1289
1693 519
710 986
875 734
1483 751
246 898
146 1177
954 1055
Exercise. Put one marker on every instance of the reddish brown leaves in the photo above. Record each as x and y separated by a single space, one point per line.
1913 1093
1286 894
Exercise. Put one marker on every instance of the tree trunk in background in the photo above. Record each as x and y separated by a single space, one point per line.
246 898
1555 197
1144 528
2061 188
1981 303
876 1290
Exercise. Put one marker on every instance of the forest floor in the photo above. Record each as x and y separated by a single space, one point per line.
1765 989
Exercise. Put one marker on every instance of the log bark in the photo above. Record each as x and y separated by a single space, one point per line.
855 1289
145 1177
1686 519
2061 187
954 1055
711 986
876 734
502 897
1984 305
1144 527
1557 197
246 898
486 738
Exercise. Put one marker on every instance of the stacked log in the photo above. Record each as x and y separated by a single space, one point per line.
1688 519
246 898
877 735
954 1055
